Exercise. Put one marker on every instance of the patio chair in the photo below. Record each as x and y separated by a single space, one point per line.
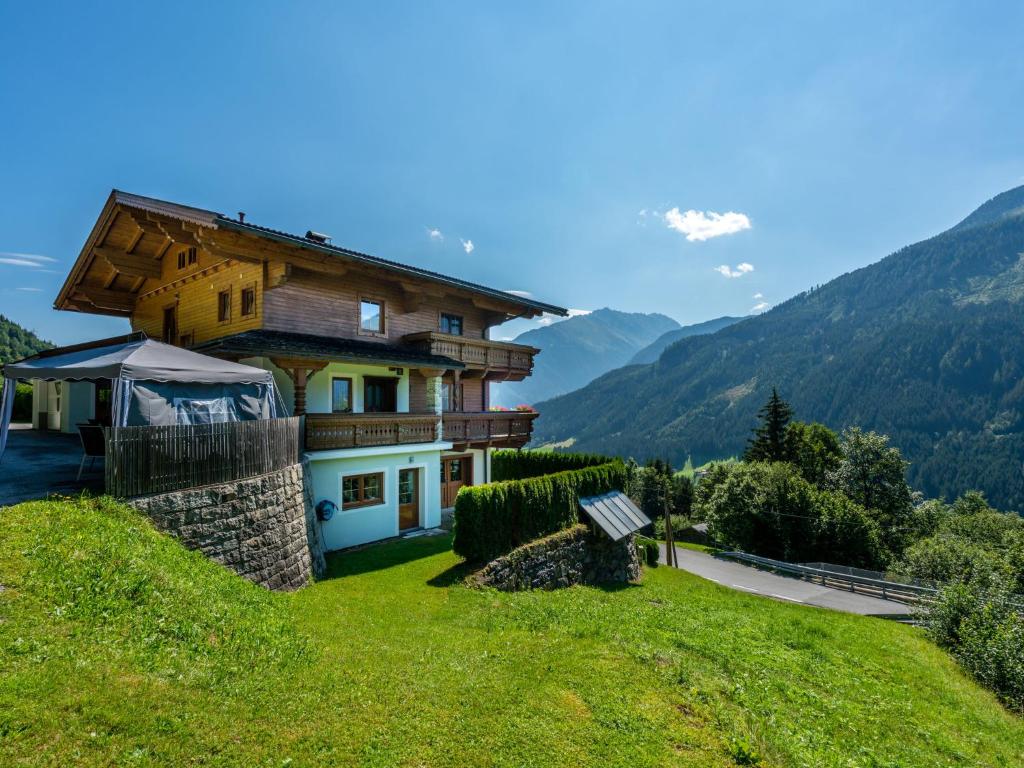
93 445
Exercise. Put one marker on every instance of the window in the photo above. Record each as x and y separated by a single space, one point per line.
248 301
188 257
362 490
224 306
451 324
185 340
341 395
170 334
371 316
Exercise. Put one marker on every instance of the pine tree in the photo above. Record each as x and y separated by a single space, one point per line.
769 442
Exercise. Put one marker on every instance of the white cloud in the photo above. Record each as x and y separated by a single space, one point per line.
701 225
467 245
758 295
761 306
29 290
547 319
739 271
31 260
434 234
521 294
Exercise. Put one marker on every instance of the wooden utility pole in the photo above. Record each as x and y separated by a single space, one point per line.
670 543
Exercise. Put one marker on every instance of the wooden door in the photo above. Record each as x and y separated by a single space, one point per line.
408 499
456 471
380 395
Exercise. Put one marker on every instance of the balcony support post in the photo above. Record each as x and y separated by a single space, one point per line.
434 403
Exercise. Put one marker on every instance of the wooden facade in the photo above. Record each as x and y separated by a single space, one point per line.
190 276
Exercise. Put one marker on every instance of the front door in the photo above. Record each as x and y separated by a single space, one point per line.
408 499
456 472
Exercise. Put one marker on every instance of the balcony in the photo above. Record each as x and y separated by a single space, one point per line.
328 431
497 429
493 359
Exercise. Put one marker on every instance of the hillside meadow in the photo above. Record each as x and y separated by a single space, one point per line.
118 647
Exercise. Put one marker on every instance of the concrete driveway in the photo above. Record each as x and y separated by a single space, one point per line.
745 578
37 464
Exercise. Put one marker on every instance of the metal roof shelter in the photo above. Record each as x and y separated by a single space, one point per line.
615 514
152 383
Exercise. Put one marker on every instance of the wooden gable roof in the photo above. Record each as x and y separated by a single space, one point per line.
122 258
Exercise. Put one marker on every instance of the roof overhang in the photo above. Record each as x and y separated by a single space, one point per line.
187 225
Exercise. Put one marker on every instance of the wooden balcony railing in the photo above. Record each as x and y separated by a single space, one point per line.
326 431
500 429
498 359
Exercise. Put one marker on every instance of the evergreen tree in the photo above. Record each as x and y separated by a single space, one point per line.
769 442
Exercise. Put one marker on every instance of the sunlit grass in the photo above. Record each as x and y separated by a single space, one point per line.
117 647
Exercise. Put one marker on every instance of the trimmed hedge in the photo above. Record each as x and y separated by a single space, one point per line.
518 465
495 518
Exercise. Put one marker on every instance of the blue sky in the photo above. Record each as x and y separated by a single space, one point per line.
824 135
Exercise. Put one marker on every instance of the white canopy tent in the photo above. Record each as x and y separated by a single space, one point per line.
153 383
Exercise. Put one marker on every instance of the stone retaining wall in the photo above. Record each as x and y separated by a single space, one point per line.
263 528
573 556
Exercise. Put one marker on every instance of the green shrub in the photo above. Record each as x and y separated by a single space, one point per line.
648 551
519 465
22 410
981 625
495 518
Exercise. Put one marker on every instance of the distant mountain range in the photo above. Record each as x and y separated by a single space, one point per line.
653 351
577 350
926 345
17 342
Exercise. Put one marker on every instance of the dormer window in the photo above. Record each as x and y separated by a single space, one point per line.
188 257
451 324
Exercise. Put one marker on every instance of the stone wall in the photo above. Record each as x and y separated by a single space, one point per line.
573 556
263 528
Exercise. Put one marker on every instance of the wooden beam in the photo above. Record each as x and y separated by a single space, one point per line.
81 304
276 274
133 264
103 297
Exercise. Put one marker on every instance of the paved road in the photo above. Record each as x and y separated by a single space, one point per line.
37 464
745 578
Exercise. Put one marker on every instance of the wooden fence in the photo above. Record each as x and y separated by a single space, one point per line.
145 460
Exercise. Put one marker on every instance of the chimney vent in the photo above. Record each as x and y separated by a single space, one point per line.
241 216
317 237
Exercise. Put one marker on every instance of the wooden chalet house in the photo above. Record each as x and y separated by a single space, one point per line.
390 364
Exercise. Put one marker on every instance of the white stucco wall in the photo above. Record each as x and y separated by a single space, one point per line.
349 528
318 389
75 404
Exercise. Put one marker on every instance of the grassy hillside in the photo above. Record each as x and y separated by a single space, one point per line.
117 647
923 346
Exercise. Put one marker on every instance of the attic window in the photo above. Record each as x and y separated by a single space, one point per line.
188 257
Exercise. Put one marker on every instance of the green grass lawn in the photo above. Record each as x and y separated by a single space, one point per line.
117 647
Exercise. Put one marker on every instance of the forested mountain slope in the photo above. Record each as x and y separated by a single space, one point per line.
926 345
653 351
16 342
577 350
